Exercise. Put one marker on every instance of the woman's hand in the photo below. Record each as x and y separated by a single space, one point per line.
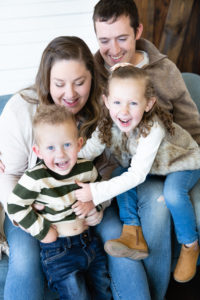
84 194
82 209
94 217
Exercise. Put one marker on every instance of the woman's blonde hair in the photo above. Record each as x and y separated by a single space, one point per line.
124 71
66 48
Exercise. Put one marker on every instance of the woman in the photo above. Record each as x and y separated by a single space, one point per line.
66 76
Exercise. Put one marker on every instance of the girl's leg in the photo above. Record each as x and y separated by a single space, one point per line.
155 221
195 194
25 277
177 187
176 192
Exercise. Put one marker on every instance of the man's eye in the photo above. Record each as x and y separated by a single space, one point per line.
104 41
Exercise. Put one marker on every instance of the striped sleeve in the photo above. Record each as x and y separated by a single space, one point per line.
20 209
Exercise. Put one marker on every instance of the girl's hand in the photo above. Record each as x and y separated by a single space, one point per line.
94 217
82 209
51 236
83 194
2 167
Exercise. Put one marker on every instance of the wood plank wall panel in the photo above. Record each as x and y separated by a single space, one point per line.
27 26
176 30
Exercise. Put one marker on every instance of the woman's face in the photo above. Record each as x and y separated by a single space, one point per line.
70 84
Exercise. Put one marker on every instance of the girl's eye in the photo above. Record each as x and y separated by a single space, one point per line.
50 148
116 102
67 145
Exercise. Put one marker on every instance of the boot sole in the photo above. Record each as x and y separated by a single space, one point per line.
120 250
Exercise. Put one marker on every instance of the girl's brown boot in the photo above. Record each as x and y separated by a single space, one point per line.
131 244
186 266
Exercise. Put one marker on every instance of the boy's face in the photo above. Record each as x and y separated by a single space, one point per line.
117 40
58 146
126 102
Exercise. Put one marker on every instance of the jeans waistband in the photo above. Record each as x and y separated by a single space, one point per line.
81 239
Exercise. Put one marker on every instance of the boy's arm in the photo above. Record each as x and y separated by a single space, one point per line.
19 208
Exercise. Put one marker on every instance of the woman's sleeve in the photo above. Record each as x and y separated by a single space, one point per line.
140 166
15 143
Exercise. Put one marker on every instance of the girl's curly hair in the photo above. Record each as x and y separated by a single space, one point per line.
105 122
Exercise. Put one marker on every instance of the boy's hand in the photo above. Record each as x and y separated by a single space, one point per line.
82 209
83 194
51 236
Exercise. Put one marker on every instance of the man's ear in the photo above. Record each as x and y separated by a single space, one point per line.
139 31
36 150
150 103
105 100
80 143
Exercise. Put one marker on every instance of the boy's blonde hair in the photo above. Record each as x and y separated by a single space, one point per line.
52 115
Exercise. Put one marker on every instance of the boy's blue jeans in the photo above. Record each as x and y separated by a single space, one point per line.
176 194
76 267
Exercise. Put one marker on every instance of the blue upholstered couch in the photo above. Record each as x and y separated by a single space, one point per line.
193 84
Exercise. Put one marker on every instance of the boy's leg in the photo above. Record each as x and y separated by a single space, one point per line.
25 278
62 263
97 275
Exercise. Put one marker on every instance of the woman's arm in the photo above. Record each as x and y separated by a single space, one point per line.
16 139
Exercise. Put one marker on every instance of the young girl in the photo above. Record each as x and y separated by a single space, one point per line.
144 139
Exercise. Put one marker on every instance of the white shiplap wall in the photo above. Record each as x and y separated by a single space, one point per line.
27 26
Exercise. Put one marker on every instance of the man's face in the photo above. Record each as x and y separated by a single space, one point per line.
117 40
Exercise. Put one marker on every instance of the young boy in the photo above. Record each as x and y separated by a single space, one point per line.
72 258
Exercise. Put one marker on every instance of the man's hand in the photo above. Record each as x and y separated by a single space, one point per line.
83 194
82 209
51 236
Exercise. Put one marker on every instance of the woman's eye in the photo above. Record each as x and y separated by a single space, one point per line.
133 103
67 145
80 83
50 148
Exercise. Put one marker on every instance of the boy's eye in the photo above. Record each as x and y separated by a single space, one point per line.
50 148
133 103
67 145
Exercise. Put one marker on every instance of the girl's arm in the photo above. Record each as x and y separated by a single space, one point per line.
92 148
140 166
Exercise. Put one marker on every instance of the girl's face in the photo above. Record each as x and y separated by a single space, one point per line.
70 84
126 102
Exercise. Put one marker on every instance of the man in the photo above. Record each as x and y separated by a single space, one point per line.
119 33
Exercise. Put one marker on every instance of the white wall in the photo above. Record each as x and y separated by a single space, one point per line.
27 26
